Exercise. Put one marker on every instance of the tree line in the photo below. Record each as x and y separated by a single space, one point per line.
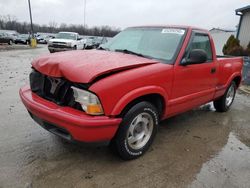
8 22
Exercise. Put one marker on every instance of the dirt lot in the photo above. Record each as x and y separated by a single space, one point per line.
6 47
201 148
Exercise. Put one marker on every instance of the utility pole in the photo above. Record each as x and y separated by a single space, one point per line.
31 23
32 40
84 13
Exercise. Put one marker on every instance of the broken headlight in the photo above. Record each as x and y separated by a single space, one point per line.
89 101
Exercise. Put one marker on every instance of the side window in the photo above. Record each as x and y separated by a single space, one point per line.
201 41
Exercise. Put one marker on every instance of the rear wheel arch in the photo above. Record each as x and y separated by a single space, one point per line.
237 80
223 103
235 77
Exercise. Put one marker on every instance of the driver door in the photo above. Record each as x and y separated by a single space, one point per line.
194 84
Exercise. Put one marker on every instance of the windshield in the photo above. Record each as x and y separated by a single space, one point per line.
157 43
71 36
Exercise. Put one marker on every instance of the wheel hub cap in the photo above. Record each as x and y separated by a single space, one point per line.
230 95
140 130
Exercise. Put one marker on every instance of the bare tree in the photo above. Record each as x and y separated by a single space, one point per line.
11 23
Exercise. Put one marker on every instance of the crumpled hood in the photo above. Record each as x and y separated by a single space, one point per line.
85 66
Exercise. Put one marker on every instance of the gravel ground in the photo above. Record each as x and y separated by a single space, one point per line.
200 148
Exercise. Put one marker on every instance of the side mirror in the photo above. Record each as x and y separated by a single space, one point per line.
196 56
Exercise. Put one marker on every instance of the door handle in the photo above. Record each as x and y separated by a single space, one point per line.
213 70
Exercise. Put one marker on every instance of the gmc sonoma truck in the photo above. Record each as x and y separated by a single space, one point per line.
121 91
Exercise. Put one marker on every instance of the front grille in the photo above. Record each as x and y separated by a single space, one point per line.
62 43
60 46
57 90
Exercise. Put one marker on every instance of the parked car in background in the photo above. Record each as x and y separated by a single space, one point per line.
23 39
65 41
6 38
96 42
39 37
88 41
120 92
12 33
44 39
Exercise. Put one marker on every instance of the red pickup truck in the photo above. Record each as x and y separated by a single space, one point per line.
121 91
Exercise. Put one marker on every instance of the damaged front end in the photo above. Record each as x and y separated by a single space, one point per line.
54 89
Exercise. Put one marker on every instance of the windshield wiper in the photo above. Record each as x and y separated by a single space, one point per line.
102 48
130 52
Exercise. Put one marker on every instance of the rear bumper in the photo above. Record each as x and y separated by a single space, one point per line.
66 122
20 41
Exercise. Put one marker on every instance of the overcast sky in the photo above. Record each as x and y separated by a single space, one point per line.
121 14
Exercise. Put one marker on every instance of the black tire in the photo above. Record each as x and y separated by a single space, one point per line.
221 104
120 143
10 42
51 51
74 48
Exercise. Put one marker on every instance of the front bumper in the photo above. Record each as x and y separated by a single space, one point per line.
59 49
68 122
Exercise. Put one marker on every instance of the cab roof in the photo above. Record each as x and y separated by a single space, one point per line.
171 26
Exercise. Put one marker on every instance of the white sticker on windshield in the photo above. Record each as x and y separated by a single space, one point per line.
174 31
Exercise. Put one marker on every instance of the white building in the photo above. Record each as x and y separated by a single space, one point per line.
220 37
243 33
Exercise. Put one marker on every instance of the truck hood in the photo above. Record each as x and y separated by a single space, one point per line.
61 40
85 66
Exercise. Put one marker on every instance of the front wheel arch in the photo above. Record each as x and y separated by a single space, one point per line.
155 99
139 94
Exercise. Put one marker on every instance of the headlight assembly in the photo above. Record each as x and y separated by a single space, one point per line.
89 101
